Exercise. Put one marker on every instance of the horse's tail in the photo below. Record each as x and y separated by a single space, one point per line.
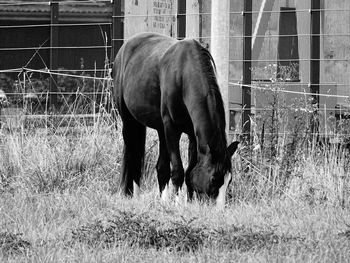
134 135
117 73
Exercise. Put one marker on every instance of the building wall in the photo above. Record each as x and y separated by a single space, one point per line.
160 16
335 75
337 46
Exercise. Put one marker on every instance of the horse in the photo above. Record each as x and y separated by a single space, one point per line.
170 85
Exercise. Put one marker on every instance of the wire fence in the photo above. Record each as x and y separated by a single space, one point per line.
92 82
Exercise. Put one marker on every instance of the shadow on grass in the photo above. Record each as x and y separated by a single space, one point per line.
13 244
139 230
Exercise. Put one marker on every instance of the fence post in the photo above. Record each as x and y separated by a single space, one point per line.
247 74
117 28
54 11
315 17
181 19
220 48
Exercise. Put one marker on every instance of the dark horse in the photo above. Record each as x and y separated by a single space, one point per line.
171 86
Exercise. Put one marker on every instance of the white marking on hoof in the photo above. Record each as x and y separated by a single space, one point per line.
178 199
136 190
220 200
166 194
181 197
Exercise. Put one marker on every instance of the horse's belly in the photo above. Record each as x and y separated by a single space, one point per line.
148 117
145 106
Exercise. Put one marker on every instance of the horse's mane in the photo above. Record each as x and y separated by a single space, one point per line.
218 142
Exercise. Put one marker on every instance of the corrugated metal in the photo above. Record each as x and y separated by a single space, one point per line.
94 10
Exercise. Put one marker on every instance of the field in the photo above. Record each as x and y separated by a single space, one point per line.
60 202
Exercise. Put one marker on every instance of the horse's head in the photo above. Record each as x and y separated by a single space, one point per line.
210 177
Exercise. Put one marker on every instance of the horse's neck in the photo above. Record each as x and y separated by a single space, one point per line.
207 135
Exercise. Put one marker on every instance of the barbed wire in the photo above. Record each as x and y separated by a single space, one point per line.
288 91
289 107
298 84
10 70
57 70
47 71
275 60
326 134
263 87
79 70
78 92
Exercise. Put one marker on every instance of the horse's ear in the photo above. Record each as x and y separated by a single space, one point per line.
232 148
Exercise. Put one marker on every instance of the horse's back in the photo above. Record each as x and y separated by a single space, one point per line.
136 76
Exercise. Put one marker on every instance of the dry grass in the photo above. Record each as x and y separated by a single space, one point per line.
60 202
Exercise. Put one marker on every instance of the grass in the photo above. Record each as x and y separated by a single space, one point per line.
94 226
60 202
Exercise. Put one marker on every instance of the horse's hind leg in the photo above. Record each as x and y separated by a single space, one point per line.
134 135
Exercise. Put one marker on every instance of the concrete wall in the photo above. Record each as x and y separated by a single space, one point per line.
159 16
333 23
192 19
150 16
337 46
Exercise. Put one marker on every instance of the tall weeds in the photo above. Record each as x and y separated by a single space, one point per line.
286 158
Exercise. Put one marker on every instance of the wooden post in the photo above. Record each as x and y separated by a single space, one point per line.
117 28
181 19
54 10
220 23
247 74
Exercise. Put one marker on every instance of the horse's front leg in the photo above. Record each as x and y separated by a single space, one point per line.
172 137
192 161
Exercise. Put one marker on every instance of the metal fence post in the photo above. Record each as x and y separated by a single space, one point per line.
315 17
181 19
247 74
54 11
117 28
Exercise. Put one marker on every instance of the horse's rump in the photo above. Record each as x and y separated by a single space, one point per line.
136 76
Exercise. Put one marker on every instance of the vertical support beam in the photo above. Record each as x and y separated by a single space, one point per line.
247 74
193 20
220 23
315 58
181 19
261 27
117 28
54 10
303 28
315 50
200 30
